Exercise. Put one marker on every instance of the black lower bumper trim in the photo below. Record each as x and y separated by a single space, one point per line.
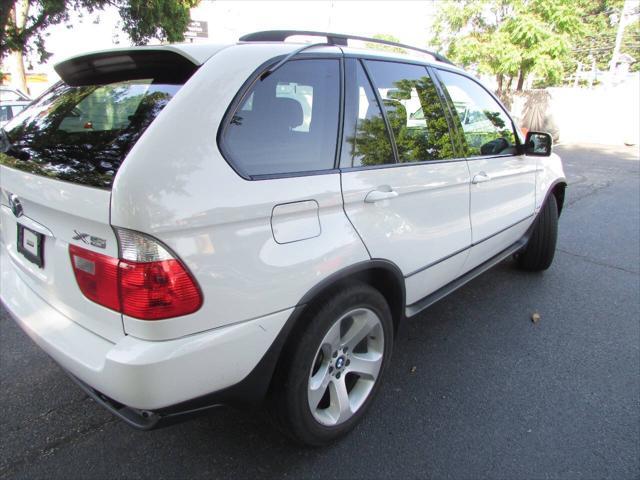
140 419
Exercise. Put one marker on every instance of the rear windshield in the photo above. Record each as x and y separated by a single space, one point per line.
82 134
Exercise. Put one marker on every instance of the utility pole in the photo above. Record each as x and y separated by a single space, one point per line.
626 7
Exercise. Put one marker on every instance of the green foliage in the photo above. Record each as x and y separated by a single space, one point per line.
388 48
631 43
164 19
141 19
427 138
510 38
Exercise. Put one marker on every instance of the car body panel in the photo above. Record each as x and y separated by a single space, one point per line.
60 211
426 223
549 172
225 238
507 198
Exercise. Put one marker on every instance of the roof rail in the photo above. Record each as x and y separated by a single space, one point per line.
339 39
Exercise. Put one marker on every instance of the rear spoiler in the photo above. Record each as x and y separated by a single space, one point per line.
163 65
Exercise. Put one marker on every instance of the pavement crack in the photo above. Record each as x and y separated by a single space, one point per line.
44 415
593 190
7 469
596 262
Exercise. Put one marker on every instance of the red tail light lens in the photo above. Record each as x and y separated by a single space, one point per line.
156 290
147 282
97 276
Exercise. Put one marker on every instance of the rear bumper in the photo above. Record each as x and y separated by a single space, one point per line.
145 419
143 375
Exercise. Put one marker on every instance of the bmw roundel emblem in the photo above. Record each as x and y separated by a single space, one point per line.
15 205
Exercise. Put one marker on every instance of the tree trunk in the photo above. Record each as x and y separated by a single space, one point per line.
18 76
499 79
521 78
509 83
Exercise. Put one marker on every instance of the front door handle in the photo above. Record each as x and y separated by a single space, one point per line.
480 178
380 194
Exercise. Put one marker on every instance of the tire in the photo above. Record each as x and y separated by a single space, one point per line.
313 371
541 247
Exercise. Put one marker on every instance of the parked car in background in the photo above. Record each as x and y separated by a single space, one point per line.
8 94
187 226
12 102
8 110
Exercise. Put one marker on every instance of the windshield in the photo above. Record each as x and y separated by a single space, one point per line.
82 134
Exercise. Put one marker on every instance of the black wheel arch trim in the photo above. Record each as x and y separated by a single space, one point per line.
561 181
351 271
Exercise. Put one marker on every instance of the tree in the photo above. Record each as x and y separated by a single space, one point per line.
595 45
631 43
23 22
509 38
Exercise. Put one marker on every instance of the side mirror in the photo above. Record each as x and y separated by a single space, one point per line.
538 144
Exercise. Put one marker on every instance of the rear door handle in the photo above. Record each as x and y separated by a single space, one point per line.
380 194
480 178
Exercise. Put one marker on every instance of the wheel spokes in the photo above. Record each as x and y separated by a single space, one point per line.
366 364
332 338
340 408
364 322
318 386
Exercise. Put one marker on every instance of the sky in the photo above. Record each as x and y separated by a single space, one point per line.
409 21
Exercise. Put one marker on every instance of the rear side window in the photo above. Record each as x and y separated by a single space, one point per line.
287 122
82 134
415 112
487 129
366 138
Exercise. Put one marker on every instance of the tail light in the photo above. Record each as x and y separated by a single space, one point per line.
145 282
97 276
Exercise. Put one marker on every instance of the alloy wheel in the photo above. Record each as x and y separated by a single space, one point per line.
346 366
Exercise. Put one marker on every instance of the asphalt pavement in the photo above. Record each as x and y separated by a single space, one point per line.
475 388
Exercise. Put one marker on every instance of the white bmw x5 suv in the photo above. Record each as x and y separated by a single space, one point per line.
187 226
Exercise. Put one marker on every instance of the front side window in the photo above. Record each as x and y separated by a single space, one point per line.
288 121
487 129
414 110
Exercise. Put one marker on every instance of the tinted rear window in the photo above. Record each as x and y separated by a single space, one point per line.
288 121
82 134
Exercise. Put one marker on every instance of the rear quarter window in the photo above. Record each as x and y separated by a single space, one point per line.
286 122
